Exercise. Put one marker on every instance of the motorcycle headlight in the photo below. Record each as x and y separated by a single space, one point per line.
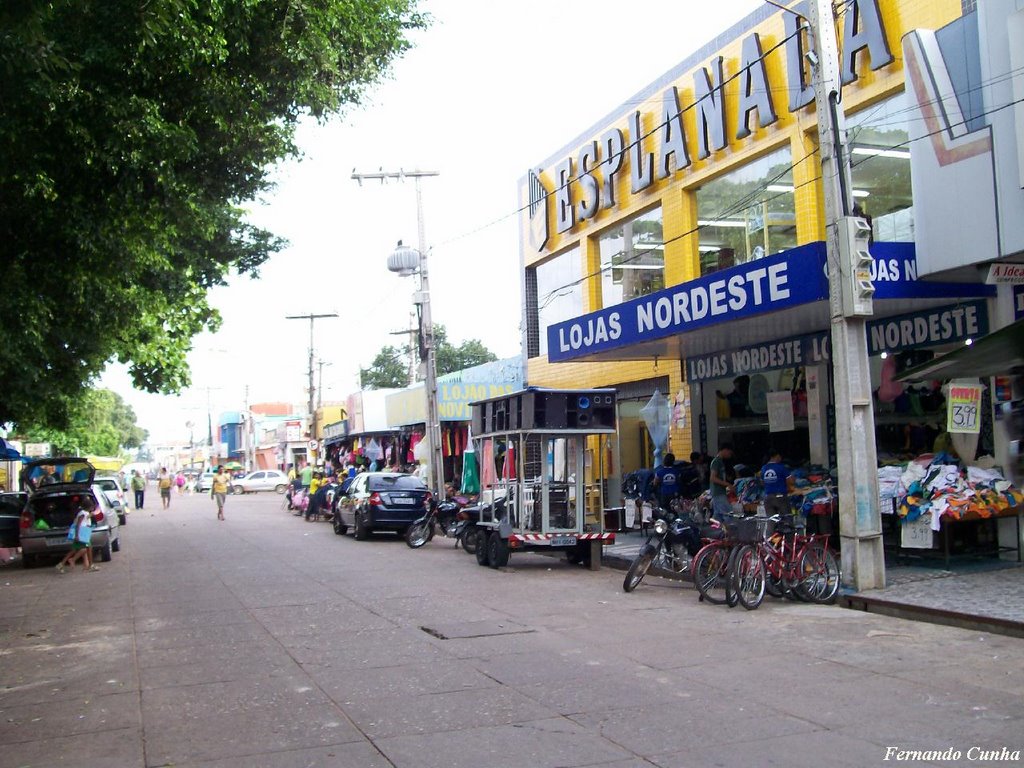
660 526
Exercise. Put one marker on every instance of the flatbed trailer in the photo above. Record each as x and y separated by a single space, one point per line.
541 490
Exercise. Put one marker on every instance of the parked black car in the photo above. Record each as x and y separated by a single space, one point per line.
11 505
381 501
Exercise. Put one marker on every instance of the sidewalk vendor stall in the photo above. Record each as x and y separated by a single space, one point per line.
534 469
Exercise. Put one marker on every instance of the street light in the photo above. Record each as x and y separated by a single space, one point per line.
406 261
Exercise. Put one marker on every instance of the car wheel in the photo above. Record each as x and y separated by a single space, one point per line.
106 553
361 531
238 490
122 519
116 546
279 488
339 528
481 547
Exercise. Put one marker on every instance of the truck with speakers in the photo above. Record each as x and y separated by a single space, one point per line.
542 473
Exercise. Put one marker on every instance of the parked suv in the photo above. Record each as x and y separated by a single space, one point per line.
56 488
378 501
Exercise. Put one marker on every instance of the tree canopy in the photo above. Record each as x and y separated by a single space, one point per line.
131 135
390 368
100 422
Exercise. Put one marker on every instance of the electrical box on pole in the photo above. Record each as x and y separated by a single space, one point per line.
855 263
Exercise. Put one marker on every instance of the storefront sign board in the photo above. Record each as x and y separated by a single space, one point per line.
780 411
1006 274
916 534
792 352
931 328
963 408
36 449
780 281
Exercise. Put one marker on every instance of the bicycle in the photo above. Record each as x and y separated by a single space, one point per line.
712 565
784 563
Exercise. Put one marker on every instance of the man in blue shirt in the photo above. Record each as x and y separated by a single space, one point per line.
666 480
777 485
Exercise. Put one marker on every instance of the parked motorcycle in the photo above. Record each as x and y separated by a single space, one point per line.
677 536
452 517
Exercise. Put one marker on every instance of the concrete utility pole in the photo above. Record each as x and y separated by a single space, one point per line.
312 390
405 263
850 290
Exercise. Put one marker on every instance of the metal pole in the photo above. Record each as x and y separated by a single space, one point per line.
432 426
859 517
312 390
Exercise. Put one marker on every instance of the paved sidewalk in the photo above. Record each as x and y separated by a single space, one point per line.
987 593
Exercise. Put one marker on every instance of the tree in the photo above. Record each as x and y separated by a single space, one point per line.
131 135
100 422
388 370
390 367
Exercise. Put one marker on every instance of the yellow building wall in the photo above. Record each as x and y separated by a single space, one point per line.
677 194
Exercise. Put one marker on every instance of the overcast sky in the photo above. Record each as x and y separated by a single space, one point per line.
489 90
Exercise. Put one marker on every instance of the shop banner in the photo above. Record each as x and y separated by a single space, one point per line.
1018 302
769 284
765 285
792 352
963 408
780 411
930 328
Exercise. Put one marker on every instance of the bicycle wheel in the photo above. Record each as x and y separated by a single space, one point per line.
748 576
710 573
820 574
638 568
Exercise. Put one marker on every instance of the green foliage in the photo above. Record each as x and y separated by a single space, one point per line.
100 423
390 367
131 135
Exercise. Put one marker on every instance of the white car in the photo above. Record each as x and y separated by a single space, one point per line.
261 480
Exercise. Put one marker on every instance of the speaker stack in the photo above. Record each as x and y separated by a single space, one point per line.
546 409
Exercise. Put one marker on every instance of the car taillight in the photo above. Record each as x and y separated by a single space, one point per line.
26 520
98 517
376 499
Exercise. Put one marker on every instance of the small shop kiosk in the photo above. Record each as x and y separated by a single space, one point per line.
542 489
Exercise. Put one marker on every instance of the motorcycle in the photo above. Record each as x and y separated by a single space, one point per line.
677 536
453 517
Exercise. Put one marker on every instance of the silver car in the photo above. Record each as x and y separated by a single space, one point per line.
56 488
261 480
115 495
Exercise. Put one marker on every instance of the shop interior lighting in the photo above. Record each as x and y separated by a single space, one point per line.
787 188
884 355
968 341
722 223
902 154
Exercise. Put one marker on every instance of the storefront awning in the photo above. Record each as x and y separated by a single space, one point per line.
776 297
998 354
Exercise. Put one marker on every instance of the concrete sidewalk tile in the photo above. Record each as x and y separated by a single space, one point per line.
86 712
551 743
609 691
102 749
256 651
221 720
49 682
347 684
359 754
657 730
218 634
187 620
450 711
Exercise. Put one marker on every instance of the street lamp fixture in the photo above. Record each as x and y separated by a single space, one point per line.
405 262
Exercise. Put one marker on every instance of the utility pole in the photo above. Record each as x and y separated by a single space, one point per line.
413 356
400 262
312 390
850 291
320 383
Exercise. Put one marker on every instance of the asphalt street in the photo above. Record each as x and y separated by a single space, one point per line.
264 640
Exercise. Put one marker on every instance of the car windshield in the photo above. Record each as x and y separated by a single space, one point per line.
397 483
58 472
107 484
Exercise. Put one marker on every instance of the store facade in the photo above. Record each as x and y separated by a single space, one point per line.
681 239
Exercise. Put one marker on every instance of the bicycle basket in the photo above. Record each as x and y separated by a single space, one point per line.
745 530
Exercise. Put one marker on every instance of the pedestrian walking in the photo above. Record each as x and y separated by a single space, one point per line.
164 482
80 535
139 487
219 490
179 482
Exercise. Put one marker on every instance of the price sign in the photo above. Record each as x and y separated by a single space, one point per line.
916 534
963 408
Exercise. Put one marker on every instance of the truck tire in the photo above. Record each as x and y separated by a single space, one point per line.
481 547
497 551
